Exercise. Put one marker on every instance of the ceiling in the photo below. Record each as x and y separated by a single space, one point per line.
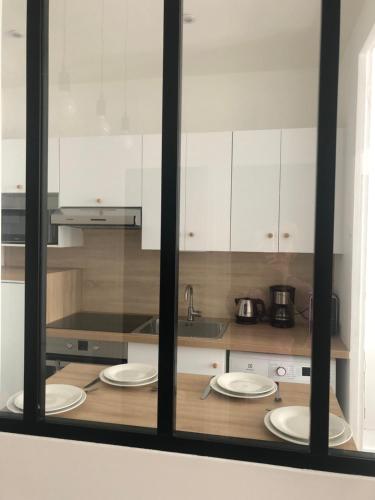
227 36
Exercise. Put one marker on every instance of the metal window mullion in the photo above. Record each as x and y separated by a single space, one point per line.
36 207
170 209
324 225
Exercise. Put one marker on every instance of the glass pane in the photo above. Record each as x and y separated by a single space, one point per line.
103 255
352 303
250 100
13 202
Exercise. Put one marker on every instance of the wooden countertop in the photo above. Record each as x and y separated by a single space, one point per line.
260 338
216 415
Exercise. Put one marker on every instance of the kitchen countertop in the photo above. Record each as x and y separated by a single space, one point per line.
216 415
260 338
17 274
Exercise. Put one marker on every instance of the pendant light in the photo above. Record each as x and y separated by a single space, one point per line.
101 105
68 106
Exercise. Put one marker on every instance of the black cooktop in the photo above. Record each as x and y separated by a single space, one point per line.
101 322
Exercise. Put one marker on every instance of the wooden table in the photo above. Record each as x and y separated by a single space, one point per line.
217 415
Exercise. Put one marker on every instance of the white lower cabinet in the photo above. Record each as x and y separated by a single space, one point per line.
195 360
12 339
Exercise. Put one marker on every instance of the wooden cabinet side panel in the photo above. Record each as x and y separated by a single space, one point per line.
64 294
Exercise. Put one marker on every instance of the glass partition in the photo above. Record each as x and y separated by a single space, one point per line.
103 272
353 285
249 120
13 205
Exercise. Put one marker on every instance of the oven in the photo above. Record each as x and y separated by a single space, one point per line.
62 351
13 219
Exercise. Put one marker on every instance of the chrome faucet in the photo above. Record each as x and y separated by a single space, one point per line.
192 313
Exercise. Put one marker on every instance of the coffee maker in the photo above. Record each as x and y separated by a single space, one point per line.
282 306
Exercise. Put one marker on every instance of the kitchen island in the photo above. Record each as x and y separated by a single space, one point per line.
216 415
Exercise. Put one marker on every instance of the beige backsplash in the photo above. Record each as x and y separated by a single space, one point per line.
119 276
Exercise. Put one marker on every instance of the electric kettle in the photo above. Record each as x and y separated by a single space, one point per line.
249 311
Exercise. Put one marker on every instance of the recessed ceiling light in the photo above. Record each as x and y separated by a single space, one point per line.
188 19
14 34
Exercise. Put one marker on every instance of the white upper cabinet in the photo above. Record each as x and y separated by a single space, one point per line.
151 192
101 171
255 191
208 191
297 190
14 166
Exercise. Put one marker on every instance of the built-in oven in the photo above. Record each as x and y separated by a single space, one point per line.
13 218
62 351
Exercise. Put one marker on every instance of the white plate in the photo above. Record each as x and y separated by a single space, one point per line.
13 408
295 422
344 438
216 387
245 383
130 373
104 379
58 397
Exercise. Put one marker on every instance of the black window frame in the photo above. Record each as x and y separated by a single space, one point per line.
33 422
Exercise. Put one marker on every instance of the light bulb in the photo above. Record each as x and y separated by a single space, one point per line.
104 126
125 129
68 105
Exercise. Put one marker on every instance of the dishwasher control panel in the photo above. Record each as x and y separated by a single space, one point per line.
295 369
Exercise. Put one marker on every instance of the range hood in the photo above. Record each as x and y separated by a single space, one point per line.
98 217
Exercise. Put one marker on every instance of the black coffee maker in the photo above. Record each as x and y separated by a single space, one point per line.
282 306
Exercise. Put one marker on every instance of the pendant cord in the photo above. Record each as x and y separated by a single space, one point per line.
126 27
102 48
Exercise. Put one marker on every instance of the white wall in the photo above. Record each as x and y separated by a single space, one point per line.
44 469
343 278
272 99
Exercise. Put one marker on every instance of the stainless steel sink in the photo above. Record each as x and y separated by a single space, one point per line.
199 328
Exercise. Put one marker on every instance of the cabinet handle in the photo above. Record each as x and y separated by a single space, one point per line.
270 235
286 235
19 186
99 200
191 235
215 365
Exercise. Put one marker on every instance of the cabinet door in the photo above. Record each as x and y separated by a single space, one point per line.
101 171
151 192
297 190
200 361
189 359
143 353
208 191
12 339
14 166
255 191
